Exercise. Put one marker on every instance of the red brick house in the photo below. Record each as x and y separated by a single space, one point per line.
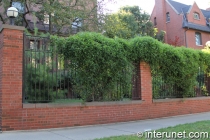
189 24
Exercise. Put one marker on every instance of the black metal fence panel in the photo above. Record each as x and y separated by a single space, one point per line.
162 89
47 77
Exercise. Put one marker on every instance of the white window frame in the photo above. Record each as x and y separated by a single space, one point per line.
198 39
196 16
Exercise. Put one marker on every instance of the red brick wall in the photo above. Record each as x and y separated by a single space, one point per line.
174 27
191 39
1 60
54 117
160 15
18 116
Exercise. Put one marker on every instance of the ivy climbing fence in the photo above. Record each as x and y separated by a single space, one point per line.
91 67
168 89
49 77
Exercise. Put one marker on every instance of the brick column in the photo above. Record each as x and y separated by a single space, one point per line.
146 82
11 58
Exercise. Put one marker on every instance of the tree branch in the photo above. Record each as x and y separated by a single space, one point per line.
11 3
24 15
2 19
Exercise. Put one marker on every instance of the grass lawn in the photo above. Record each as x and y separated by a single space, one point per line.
196 129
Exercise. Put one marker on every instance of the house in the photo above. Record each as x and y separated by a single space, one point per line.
185 25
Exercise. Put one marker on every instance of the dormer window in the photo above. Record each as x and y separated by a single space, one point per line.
196 16
167 17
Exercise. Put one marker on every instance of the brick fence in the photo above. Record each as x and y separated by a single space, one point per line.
15 115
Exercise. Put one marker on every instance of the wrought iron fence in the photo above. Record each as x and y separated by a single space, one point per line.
162 89
47 77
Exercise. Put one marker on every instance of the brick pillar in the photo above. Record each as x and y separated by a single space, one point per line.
11 58
146 82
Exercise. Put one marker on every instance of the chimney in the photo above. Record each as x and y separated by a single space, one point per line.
160 7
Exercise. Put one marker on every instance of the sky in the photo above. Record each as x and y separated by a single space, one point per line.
147 5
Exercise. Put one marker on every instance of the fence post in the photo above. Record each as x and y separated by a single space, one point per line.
11 58
146 82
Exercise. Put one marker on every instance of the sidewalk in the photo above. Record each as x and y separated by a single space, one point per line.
99 131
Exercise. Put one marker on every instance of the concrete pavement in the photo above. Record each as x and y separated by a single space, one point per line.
99 131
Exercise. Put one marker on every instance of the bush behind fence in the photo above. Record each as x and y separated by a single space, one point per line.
91 67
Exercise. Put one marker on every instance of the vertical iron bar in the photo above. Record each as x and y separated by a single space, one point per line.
24 74
39 70
35 70
56 61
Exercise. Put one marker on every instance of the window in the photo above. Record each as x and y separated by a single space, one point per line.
167 17
155 21
47 18
33 45
196 16
20 7
198 38
77 23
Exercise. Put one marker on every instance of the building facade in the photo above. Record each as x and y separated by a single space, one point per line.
185 25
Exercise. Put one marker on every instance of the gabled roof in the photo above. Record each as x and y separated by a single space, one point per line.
191 25
183 8
179 6
186 9
206 13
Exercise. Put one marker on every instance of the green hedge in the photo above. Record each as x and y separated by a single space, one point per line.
99 63
102 60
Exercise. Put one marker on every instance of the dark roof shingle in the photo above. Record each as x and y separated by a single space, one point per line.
179 6
191 25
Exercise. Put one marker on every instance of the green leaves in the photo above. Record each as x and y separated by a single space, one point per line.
101 62
128 23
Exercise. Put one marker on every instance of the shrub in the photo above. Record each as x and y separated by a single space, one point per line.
101 62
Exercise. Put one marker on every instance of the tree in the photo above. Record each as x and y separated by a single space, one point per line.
62 15
120 24
175 42
130 21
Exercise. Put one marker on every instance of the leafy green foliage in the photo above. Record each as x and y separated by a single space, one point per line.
101 62
177 65
57 16
39 84
131 21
